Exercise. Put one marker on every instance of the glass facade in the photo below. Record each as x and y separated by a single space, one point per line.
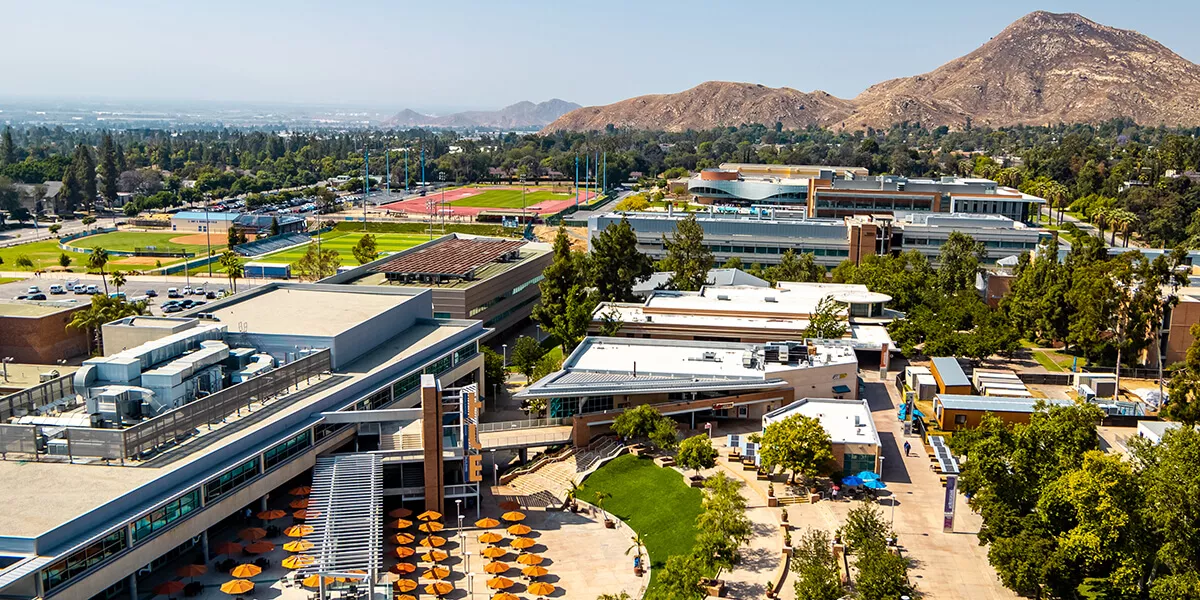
82 560
231 479
567 407
287 449
165 516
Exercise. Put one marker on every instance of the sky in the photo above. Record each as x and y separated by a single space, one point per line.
449 55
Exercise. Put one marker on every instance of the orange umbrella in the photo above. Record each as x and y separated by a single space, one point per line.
500 583
436 573
509 505
487 523
169 588
523 543
519 529
298 546
229 548
513 516
299 503
246 570
298 530
304 514
303 490
530 559
259 547
405 597
405 585
403 567
494 552
429 515
400 524
495 568
271 515
434 541
402 538
237 586
490 537
540 588
400 513
251 534
404 552
388 577
505 596
361 573
191 570
313 581
435 556
431 527
439 588
297 561
534 571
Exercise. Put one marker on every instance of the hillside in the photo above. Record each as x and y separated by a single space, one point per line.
1044 68
522 115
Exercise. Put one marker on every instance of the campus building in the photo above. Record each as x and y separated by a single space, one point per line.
199 221
752 314
749 184
852 433
763 236
494 280
691 381
159 449
36 331
959 411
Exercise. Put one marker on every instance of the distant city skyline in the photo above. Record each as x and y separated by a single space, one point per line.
441 58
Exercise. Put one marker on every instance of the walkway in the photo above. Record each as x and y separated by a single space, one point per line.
552 480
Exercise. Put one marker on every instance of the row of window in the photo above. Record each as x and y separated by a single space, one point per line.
534 281
567 407
81 560
289 448
231 479
163 517
913 241
774 250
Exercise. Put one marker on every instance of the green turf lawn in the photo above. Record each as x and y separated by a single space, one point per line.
4 280
509 198
43 254
128 240
344 241
654 501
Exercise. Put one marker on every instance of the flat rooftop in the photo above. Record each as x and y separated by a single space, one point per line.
996 403
303 310
481 274
22 376
34 309
846 421
787 299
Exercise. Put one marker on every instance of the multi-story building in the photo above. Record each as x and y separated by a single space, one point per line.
37 332
749 184
356 391
493 280
691 381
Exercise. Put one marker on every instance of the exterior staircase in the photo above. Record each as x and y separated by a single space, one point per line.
551 481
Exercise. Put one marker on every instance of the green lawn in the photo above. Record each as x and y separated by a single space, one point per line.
344 241
654 501
504 198
128 240
4 280
43 254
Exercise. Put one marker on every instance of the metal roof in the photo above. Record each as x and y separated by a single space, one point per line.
451 258
347 496
995 403
950 372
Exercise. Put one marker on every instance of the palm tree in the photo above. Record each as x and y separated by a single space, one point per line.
118 280
1127 221
1100 218
96 260
573 494
638 547
600 498
233 268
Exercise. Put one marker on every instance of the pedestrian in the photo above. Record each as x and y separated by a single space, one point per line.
907 447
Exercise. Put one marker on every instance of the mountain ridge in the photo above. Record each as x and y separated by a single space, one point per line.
521 115
1043 68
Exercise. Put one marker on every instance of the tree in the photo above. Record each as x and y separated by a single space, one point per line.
494 372
722 524
525 356
54 229
88 220
637 547
793 267
70 195
231 237
880 574
640 422
816 569
600 498
8 150
680 578
797 444
1169 477
23 261
64 260
103 309
564 297
665 434
616 264
274 230
108 168
687 257
864 526
696 453
620 596
959 261
231 262
317 264
365 250
118 280
827 322
96 260
84 164
633 203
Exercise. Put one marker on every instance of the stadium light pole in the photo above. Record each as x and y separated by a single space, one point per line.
366 183
406 170
208 234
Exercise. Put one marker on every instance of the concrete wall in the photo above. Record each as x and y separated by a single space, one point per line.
42 340
119 336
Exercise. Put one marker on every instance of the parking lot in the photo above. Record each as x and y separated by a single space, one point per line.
135 287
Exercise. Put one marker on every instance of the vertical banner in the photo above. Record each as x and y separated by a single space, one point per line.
948 509
883 362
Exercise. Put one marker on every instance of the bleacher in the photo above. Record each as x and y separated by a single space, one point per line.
271 244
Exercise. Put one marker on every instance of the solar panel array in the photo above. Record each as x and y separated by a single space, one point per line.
451 258
945 458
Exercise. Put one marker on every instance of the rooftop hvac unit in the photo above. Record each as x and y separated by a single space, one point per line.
770 299
748 360
709 356
57 448
722 297
770 354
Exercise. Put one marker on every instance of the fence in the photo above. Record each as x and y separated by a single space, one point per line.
173 425
19 439
523 424
1046 378
36 397
162 251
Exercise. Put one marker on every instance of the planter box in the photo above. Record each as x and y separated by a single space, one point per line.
713 588
610 524
787 550
696 482
772 501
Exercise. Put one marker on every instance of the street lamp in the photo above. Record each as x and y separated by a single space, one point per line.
8 359
458 512
504 350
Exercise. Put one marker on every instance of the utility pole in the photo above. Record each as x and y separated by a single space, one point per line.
406 170
576 181
366 183
208 235
604 187
586 170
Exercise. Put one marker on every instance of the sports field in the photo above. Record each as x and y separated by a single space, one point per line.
128 240
44 254
470 201
344 241
509 198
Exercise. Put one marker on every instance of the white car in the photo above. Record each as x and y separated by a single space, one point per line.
57 289
33 289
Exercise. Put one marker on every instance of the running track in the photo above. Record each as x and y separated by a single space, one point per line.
421 205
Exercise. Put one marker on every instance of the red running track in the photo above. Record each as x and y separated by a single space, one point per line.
422 205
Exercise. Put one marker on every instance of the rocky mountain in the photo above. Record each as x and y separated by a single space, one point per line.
1044 68
522 115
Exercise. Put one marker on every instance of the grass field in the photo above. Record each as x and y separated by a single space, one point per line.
43 254
654 501
344 241
4 280
505 198
128 240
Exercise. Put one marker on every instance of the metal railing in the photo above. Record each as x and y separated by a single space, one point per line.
523 424
526 439
38 396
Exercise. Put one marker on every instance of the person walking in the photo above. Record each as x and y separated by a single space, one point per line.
907 447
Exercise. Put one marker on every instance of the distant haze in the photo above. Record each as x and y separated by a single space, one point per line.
443 57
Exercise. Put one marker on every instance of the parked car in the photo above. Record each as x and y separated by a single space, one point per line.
187 291
33 289
93 290
21 297
172 308
151 294
57 289
186 304
37 296
211 295
79 289
173 293
197 291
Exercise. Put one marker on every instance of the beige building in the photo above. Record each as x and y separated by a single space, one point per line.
856 445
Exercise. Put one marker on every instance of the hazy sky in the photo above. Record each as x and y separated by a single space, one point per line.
444 54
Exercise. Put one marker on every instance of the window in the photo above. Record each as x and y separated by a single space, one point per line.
82 560
534 281
439 366
466 352
231 479
405 385
167 515
376 400
960 419
441 315
287 449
